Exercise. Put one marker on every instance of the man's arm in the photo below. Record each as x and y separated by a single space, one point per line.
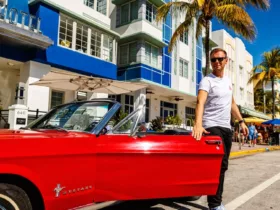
198 130
235 112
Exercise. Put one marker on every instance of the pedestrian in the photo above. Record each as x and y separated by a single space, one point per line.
252 130
215 104
256 137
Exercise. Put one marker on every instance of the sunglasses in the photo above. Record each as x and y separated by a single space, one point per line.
213 60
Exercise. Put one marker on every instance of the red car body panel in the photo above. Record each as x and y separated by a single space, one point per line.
110 167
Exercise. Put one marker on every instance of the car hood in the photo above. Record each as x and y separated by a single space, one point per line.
41 133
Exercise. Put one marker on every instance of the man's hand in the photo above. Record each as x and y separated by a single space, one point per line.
198 131
244 128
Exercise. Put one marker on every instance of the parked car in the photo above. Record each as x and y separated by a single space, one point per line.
68 159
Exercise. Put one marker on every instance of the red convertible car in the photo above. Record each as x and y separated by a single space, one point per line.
70 159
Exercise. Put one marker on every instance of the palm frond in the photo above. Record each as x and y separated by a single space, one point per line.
259 4
200 3
238 19
262 76
178 32
163 10
259 68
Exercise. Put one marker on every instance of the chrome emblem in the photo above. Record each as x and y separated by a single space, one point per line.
58 189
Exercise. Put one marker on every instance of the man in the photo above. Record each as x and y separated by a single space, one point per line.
215 104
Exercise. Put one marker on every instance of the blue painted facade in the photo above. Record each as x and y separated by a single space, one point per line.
143 71
55 55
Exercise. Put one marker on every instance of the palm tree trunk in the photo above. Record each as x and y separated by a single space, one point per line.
207 47
264 99
273 98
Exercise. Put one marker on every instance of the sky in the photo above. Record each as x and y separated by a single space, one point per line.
268 30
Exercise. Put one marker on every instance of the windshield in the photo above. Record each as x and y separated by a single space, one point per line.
76 116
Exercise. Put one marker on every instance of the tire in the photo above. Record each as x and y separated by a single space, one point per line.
13 198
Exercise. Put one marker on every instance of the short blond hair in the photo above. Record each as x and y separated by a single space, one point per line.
218 50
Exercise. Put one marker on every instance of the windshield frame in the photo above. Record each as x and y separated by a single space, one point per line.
115 106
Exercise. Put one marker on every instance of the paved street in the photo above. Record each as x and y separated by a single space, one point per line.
252 182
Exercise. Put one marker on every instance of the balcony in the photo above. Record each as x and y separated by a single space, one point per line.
141 29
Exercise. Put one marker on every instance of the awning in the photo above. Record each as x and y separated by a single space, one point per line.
253 113
253 120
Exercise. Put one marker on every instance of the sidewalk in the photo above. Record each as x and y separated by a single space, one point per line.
246 150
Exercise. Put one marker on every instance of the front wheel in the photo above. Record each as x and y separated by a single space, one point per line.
13 198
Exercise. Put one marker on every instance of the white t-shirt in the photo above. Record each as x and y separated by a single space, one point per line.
217 109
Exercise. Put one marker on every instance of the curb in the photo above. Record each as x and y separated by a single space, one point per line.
252 151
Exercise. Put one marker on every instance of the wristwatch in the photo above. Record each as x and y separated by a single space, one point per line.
241 121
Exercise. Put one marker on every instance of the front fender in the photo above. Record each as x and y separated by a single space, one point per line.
25 173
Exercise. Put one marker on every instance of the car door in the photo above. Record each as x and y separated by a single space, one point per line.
156 166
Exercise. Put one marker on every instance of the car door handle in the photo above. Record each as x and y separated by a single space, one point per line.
218 142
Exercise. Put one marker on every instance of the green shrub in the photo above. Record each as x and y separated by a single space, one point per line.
173 120
157 124
119 117
177 120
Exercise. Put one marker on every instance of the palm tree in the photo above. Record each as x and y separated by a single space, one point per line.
267 104
267 70
229 12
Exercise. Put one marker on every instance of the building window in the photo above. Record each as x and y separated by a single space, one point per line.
124 13
81 38
184 68
95 46
151 12
167 109
66 31
128 53
133 10
147 113
151 54
89 3
184 38
129 12
115 97
101 5
190 115
83 33
107 48
128 104
57 98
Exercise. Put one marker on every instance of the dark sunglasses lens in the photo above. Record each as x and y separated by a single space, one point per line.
213 60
